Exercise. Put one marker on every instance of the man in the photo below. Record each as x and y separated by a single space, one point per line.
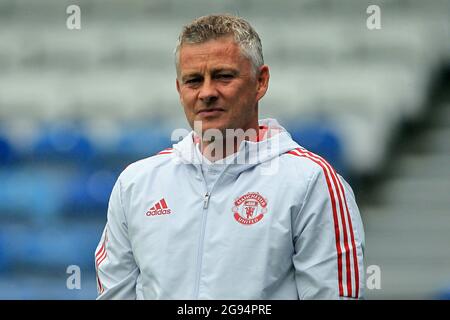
237 209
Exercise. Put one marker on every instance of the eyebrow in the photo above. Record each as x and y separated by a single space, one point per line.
190 75
231 70
214 72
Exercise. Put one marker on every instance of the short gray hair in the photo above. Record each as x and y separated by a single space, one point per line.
215 26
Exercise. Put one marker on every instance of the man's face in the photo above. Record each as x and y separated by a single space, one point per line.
218 87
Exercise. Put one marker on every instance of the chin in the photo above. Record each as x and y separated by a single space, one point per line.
213 124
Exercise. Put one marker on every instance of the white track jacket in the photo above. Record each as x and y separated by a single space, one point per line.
280 225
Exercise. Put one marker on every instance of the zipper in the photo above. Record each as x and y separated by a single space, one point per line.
206 199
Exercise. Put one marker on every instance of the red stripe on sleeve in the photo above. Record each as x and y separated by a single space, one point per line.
342 216
345 217
335 218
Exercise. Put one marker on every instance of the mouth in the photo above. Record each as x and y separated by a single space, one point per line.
210 112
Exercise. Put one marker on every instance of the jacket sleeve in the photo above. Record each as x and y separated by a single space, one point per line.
116 269
328 240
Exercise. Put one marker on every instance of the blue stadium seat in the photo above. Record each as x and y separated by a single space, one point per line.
321 140
31 287
51 247
143 140
443 294
63 141
4 258
30 192
88 192
7 153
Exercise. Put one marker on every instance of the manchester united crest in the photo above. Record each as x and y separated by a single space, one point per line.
250 208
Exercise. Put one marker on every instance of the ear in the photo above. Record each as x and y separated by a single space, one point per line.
178 86
262 81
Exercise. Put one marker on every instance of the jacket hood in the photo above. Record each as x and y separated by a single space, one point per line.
273 141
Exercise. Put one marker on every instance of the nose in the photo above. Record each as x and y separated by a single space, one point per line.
208 92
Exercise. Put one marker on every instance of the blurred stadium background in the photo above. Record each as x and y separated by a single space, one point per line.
77 106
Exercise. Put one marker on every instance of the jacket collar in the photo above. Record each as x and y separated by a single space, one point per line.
272 141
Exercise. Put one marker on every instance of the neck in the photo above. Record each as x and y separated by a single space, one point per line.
217 150
228 144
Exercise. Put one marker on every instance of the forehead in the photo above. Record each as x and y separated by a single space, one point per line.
223 50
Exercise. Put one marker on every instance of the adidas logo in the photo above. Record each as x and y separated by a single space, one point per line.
159 208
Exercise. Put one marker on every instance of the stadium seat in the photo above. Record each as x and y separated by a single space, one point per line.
87 193
51 247
7 154
30 193
321 140
61 141
144 140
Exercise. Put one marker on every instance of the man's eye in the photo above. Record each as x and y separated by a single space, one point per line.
192 81
225 76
